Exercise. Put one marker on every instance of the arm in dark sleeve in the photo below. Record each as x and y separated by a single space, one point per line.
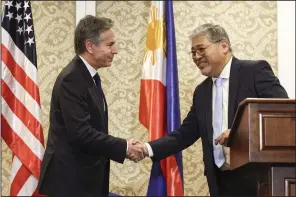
267 85
81 134
178 140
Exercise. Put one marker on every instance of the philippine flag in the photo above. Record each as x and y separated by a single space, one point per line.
159 109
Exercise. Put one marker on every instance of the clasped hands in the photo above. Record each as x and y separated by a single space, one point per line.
136 150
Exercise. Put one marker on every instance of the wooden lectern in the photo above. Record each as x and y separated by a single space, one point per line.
263 136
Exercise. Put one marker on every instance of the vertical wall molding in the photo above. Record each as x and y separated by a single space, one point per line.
83 8
286 45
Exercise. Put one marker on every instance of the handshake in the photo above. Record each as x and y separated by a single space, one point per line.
136 150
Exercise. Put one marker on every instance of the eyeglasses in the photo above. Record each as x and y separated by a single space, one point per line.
200 50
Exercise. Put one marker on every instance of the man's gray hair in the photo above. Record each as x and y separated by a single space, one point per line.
215 33
90 28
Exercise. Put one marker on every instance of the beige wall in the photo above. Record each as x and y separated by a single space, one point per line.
252 28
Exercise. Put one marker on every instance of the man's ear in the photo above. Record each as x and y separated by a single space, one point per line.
225 46
88 46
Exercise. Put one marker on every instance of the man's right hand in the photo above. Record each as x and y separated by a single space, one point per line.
136 150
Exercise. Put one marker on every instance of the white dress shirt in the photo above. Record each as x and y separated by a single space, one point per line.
92 72
90 69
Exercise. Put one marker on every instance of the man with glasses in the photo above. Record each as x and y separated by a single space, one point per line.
215 102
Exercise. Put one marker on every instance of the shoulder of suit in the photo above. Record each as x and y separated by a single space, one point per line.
71 70
73 75
203 84
251 63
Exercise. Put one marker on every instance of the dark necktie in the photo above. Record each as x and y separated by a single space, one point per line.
97 79
100 90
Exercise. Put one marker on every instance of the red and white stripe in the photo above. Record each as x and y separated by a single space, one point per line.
153 79
21 125
152 108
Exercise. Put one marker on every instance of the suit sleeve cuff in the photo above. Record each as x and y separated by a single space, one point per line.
150 152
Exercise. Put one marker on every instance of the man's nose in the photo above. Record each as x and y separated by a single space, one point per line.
196 57
115 50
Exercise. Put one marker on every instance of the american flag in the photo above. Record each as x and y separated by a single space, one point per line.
21 126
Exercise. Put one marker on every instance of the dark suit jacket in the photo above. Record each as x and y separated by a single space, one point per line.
79 149
248 79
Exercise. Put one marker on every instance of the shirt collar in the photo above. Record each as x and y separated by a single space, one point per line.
91 69
225 72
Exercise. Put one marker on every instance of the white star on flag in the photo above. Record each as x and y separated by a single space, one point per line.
26 5
29 29
18 18
20 30
18 6
9 15
30 41
9 4
27 17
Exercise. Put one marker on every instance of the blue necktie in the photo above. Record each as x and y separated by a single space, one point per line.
218 118
97 79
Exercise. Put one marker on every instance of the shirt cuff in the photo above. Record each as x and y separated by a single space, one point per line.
150 152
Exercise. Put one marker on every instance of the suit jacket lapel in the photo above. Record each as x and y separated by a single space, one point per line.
93 88
233 89
106 112
99 100
208 108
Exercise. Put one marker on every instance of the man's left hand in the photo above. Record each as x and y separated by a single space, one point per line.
223 138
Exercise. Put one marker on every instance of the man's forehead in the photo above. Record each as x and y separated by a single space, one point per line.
199 40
